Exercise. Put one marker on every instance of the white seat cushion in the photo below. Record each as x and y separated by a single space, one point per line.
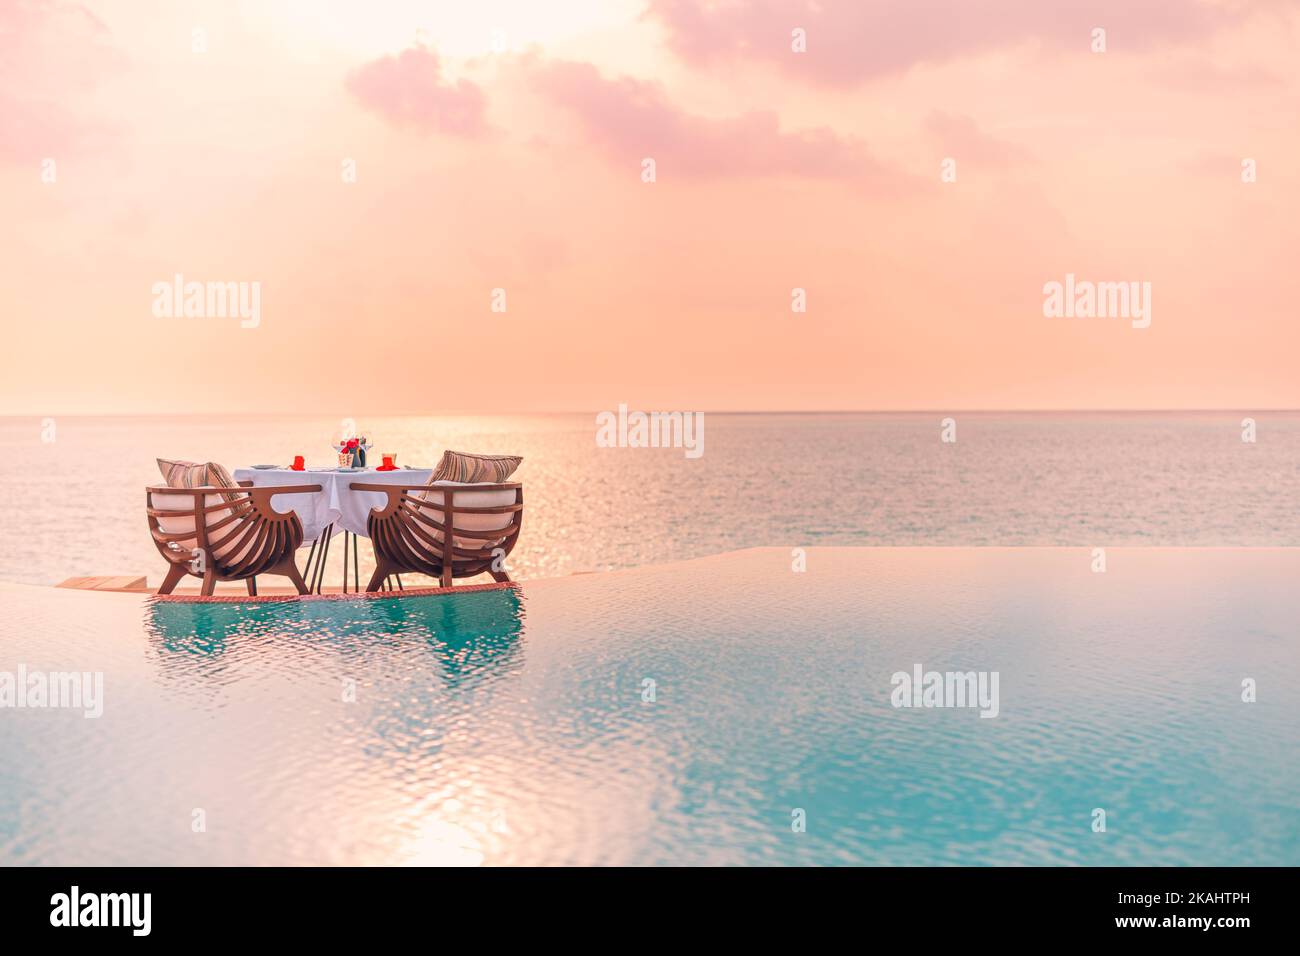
184 524
472 522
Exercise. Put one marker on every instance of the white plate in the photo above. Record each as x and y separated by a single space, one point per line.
263 467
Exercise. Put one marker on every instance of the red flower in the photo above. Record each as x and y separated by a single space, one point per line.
352 444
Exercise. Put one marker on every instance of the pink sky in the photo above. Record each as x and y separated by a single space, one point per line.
499 145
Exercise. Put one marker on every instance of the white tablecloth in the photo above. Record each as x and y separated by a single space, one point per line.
335 503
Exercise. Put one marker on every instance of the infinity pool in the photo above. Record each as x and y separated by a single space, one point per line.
720 711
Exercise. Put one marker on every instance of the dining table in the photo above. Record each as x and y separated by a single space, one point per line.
336 507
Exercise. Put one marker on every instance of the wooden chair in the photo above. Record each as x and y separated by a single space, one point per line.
409 533
237 533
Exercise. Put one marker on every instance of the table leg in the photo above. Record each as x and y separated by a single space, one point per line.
309 572
306 568
324 556
314 573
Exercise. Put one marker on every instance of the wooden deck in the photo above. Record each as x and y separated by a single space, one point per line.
119 583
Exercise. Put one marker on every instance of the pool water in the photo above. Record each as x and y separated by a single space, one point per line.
720 711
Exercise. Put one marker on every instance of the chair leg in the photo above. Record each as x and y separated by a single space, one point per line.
209 581
252 585
291 572
376 580
500 576
174 575
446 574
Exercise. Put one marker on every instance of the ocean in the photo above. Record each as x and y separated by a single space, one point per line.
76 485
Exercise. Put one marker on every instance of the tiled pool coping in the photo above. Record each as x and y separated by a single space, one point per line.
334 596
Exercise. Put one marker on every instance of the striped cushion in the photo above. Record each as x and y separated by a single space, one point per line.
183 474
209 474
458 466
218 477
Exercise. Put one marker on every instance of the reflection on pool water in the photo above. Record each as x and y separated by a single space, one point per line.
462 639
679 714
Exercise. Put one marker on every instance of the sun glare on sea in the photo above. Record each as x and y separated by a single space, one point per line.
438 842
458 826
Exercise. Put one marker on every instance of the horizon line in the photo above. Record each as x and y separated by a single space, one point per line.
718 411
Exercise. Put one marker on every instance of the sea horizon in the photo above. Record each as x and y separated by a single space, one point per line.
842 478
706 411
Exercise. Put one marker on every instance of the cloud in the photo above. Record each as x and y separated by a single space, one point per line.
631 119
849 41
52 55
960 137
1195 73
408 91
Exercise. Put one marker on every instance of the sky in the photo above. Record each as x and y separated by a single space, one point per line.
674 204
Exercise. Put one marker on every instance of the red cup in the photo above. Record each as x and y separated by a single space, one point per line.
298 463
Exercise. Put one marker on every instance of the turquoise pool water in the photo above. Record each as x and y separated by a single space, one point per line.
517 726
